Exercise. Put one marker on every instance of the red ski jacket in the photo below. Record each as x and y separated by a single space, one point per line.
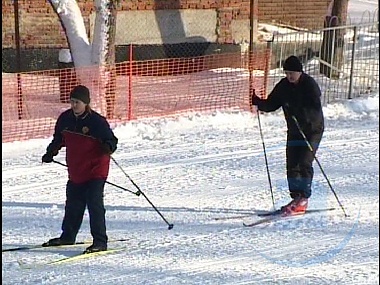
84 137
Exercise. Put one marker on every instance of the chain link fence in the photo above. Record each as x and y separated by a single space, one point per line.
153 34
194 33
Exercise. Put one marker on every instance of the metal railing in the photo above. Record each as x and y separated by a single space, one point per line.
350 70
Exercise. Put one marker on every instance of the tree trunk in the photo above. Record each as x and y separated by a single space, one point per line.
333 40
86 56
103 52
110 60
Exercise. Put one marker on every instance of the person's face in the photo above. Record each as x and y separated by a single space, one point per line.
293 76
77 106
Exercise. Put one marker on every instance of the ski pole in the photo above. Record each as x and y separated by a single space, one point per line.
110 183
265 156
320 166
142 193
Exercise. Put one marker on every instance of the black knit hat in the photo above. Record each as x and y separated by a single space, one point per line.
292 63
81 93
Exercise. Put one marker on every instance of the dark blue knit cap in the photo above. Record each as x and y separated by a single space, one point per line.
81 92
292 63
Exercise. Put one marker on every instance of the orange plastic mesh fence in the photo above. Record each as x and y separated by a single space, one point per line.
33 101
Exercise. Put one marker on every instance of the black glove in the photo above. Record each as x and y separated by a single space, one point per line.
47 157
255 100
106 148
289 109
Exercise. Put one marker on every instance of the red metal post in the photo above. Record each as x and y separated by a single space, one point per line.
130 83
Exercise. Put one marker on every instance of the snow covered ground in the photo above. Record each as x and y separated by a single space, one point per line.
196 168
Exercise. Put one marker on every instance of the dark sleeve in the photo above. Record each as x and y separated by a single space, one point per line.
274 100
314 102
57 141
105 134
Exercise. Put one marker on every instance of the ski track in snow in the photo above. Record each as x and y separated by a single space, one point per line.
33 175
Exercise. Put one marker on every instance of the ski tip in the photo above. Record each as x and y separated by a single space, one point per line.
269 213
170 226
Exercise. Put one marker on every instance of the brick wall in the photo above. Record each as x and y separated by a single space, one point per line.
306 14
40 27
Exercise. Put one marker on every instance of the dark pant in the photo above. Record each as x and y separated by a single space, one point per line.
299 160
78 196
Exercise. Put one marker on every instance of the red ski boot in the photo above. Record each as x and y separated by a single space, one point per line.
297 206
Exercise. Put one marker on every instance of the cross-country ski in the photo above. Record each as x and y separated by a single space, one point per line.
73 258
273 216
39 246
